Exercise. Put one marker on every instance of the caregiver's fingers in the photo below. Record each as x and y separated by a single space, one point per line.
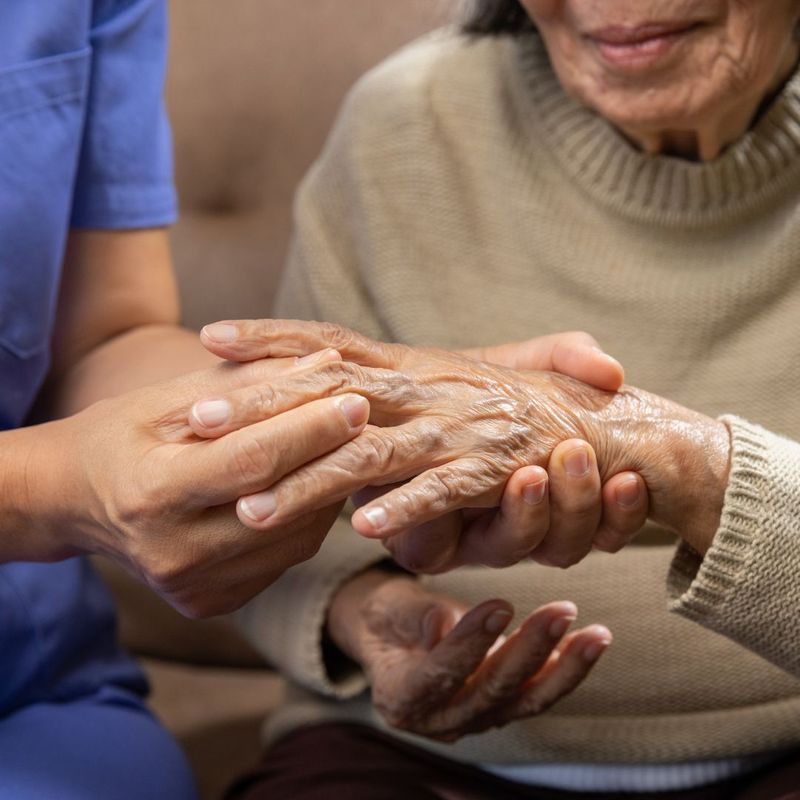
574 353
575 504
378 455
625 509
254 458
504 537
245 340
323 375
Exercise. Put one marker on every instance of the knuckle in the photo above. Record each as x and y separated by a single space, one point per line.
251 458
336 336
496 688
261 402
375 450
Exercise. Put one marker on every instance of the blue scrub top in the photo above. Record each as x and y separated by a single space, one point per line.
84 142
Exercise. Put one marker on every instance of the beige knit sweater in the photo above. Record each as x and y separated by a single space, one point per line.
463 199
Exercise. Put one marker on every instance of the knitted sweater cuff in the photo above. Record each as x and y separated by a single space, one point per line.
746 586
286 622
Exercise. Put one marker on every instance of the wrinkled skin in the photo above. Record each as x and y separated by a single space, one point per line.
161 501
458 429
433 665
704 90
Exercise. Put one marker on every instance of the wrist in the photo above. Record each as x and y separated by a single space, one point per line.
683 456
345 624
34 470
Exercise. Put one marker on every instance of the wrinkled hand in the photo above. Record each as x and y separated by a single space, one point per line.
539 508
463 427
144 490
536 511
439 670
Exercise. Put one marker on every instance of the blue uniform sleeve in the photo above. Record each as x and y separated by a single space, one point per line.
125 170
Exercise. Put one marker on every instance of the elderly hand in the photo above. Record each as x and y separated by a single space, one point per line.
539 508
536 508
462 427
143 489
566 500
439 670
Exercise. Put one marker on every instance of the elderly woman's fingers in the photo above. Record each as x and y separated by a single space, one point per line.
572 662
245 340
625 510
462 483
444 670
503 537
574 353
326 374
500 677
575 504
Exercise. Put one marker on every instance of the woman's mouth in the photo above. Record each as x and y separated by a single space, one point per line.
640 46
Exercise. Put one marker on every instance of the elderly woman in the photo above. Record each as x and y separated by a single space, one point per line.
629 168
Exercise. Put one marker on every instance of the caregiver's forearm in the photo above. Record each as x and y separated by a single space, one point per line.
34 474
139 357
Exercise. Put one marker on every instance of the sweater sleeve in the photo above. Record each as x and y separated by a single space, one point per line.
746 587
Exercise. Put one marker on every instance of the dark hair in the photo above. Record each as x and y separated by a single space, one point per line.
496 17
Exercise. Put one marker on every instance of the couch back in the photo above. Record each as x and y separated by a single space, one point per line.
253 88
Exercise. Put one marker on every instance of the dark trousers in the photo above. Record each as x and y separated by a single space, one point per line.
354 762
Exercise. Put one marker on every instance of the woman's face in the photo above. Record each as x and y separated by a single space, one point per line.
669 65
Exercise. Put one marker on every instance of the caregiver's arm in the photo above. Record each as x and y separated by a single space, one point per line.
125 476
117 326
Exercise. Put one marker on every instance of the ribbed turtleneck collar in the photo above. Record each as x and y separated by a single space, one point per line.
751 173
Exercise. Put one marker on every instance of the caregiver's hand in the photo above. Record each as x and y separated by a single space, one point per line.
433 665
138 486
538 510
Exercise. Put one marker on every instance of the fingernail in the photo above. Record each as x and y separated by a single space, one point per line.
497 621
558 627
355 409
212 413
258 506
533 493
576 462
376 516
594 650
221 332
628 493
313 358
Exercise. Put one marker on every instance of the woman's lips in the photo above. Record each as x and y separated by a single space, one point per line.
640 46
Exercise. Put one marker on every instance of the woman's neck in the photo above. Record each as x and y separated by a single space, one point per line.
708 140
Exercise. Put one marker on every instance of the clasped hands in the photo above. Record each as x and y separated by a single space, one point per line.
467 461
456 459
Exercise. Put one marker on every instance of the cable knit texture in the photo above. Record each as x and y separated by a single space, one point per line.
744 586
462 199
